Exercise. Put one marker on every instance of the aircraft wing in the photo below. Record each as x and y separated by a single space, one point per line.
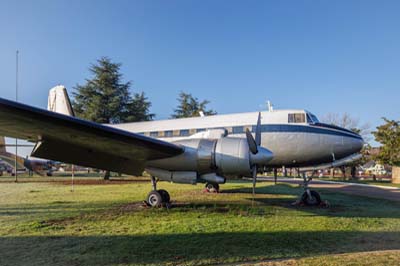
72 140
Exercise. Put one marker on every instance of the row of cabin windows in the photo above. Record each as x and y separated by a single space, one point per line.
172 133
188 132
292 118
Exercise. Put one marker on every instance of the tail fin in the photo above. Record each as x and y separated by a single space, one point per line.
59 101
2 145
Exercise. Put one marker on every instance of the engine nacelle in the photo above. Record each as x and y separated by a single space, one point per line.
224 156
232 156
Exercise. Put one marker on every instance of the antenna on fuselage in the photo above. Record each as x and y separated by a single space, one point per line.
270 107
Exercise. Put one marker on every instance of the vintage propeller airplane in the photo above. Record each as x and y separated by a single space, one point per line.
40 167
189 150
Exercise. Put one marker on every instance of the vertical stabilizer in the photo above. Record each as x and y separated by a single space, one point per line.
59 101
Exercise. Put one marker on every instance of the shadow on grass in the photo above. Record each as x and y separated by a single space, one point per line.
341 205
286 189
178 249
52 208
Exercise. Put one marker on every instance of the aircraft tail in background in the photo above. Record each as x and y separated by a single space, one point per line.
59 101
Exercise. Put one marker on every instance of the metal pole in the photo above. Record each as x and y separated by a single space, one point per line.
16 99
72 178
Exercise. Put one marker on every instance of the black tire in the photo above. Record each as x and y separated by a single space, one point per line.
164 195
154 199
212 187
315 199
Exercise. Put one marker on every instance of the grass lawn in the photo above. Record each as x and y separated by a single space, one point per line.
105 224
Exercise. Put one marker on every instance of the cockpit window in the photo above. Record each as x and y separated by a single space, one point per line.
297 118
312 119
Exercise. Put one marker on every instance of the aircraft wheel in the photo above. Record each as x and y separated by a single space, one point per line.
164 195
154 199
212 188
314 200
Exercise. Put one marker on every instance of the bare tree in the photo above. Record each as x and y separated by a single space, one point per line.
345 120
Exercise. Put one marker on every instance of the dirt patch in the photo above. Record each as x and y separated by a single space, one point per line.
131 207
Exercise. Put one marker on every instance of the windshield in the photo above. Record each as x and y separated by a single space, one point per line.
312 119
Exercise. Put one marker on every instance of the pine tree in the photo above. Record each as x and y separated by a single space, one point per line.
190 106
104 98
138 109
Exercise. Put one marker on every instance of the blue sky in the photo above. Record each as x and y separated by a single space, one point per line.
324 56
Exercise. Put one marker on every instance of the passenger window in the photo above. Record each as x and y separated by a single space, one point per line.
168 133
237 130
154 134
297 118
184 132
200 129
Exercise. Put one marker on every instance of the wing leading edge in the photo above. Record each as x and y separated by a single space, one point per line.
73 140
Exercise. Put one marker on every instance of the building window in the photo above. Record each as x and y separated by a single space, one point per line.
154 134
168 133
237 130
184 132
297 118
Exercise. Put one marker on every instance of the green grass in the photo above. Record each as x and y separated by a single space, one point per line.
47 224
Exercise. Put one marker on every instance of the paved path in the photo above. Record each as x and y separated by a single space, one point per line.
381 192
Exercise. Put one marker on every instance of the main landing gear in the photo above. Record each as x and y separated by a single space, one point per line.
212 187
157 198
309 197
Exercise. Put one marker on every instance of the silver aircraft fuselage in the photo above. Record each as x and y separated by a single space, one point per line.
295 137
306 145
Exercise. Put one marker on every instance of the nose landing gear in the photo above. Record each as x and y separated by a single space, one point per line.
212 187
309 197
157 198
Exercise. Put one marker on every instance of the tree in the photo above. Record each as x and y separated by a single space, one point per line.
388 135
105 98
345 120
138 109
190 106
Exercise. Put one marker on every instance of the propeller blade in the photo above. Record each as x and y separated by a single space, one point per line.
258 130
251 142
254 173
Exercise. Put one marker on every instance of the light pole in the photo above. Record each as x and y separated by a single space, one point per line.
16 99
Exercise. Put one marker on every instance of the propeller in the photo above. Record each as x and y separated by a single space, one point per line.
254 144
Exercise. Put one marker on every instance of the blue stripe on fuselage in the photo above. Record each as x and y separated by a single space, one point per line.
306 129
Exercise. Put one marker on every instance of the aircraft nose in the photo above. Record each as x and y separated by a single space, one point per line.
355 144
